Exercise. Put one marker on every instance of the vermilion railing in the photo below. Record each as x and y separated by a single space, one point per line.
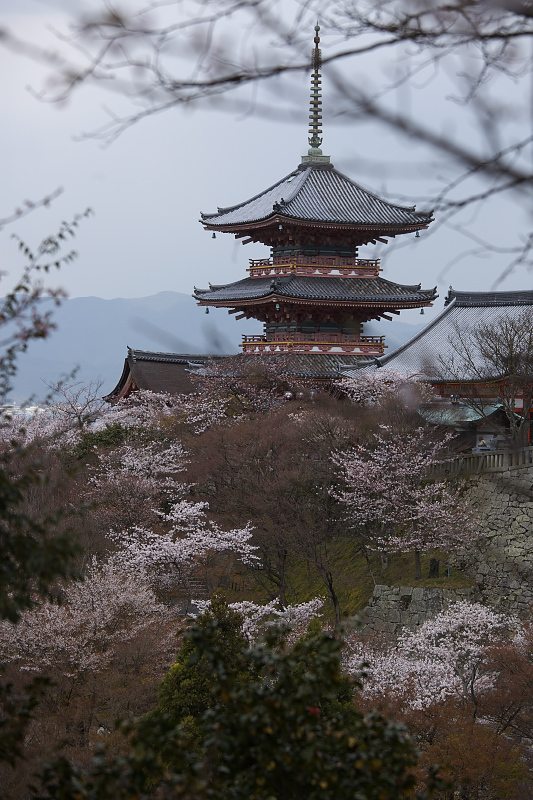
315 265
314 342
313 337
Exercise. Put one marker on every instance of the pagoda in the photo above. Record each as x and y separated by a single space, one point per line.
314 293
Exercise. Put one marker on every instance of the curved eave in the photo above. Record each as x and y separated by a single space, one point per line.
488 381
278 219
124 386
384 303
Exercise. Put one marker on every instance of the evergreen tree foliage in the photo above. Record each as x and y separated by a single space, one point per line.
269 722
187 691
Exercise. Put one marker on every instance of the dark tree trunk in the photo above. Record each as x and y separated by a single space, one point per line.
367 559
434 568
327 577
418 566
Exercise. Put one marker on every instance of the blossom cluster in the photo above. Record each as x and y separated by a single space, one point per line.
386 493
110 607
366 388
444 657
152 466
257 617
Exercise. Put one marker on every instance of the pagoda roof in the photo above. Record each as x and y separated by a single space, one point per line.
319 193
426 355
314 288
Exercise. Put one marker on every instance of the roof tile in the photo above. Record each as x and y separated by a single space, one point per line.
317 288
431 349
320 194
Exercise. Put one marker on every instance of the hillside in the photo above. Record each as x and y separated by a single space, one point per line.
93 334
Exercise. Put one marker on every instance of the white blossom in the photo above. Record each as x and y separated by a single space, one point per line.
444 657
257 617
110 607
367 388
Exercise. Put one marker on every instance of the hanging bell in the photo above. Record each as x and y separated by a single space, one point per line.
214 236
421 310
417 235
207 311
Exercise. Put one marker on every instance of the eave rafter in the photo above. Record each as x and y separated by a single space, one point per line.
278 308
280 230
387 306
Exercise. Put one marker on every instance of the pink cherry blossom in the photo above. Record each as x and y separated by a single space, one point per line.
391 504
445 657
257 618
110 607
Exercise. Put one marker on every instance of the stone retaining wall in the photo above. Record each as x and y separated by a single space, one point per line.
501 561
393 607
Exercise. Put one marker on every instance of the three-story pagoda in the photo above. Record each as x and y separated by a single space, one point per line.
314 294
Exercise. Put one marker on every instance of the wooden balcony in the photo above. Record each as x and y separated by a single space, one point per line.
315 343
316 265
475 463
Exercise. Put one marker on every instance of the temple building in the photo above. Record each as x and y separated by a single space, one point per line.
157 372
472 384
314 293
432 356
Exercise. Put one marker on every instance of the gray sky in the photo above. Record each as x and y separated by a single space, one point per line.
148 188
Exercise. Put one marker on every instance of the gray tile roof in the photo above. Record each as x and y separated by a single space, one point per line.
455 414
304 287
481 299
427 353
157 372
320 365
167 358
320 194
171 372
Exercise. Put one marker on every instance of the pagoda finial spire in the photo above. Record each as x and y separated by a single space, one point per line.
315 108
314 154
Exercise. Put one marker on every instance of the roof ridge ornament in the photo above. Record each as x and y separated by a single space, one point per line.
314 154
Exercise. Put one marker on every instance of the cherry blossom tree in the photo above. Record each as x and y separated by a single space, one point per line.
79 403
257 618
247 383
70 410
366 388
462 688
226 389
144 409
96 616
42 426
391 504
180 557
129 483
153 465
448 656
201 410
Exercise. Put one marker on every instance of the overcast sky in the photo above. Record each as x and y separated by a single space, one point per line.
147 189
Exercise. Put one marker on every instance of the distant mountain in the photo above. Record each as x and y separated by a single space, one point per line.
93 334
